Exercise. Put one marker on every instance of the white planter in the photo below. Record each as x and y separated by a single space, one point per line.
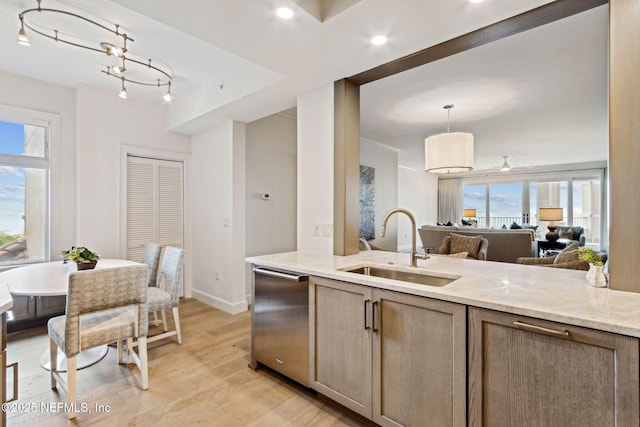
595 276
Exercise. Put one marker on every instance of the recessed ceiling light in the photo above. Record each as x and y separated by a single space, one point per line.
285 13
378 40
476 1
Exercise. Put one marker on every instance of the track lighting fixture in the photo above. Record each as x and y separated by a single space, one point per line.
146 73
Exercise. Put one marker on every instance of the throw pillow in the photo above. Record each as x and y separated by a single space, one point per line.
567 256
531 227
469 244
458 255
566 233
515 226
465 222
571 247
504 227
449 224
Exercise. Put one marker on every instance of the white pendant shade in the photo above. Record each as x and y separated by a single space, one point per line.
449 152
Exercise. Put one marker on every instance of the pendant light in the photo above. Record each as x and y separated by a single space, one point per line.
449 152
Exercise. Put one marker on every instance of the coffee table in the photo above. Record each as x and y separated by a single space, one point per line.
545 245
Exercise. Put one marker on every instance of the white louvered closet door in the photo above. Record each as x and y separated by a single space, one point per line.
155 211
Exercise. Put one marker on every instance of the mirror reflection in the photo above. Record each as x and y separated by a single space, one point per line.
539 97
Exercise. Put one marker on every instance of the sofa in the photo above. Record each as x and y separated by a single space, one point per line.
505 245
567 258
572 233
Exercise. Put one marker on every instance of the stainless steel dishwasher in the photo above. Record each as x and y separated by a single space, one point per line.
280 323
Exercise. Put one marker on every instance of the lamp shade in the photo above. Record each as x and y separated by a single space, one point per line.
550 214
469 213
449 152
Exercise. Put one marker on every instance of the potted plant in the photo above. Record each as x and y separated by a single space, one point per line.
84 258
595 275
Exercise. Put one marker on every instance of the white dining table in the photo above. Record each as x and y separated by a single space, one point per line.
52 279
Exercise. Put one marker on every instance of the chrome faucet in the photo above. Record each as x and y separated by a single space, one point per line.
414 253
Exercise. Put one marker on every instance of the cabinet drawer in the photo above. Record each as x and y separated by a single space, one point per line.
525 371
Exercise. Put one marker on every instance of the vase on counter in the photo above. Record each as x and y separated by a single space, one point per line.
86 265
595 276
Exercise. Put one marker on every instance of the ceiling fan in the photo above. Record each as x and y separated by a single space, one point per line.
505 166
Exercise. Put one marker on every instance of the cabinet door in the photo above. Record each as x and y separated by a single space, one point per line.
51 306
340 343
530 372
24 307
419 361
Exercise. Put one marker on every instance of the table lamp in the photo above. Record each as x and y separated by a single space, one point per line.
470 214
551 215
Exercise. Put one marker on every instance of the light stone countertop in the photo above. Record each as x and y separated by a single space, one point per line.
554 294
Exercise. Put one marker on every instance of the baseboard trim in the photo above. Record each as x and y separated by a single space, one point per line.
219 303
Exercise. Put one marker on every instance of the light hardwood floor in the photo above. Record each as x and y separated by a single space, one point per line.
205 381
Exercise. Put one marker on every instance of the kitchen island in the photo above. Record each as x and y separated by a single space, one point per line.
502 344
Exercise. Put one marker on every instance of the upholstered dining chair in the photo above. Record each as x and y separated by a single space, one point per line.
151 258
166 295
103 306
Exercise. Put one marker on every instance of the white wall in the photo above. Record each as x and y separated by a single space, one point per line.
271 168
418 192
271 165
105 123
385 162
21 92
315 168
218 218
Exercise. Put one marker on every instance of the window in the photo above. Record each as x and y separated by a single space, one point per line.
546 195
587 204
24 190
505 204
499 201
475 197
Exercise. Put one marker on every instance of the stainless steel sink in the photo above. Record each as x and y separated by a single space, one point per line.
403 276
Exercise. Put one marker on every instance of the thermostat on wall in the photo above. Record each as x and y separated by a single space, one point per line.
266 196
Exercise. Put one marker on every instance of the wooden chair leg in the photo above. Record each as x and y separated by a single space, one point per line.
164 321
129 350
53 362
119 347
176 321
144 365
71 385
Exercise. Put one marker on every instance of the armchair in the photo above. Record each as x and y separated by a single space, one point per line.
475 246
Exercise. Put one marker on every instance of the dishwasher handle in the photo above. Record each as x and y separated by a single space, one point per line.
281 275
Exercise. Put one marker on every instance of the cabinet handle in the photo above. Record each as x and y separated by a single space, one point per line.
540 329
366 318
374 305
14 366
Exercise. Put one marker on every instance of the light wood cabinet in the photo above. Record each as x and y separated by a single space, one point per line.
340 343
419 361
530 372
394 358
